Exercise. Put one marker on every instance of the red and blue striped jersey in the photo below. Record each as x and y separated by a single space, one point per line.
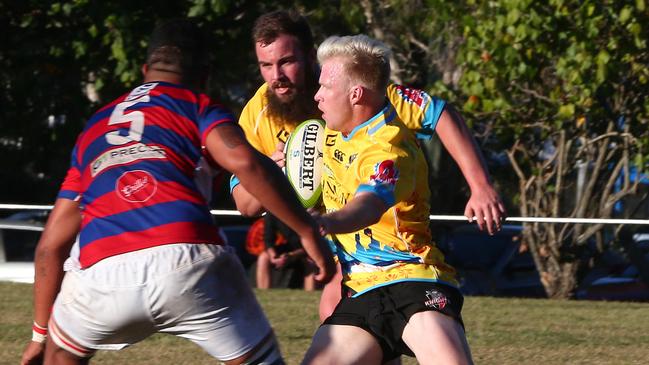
133 170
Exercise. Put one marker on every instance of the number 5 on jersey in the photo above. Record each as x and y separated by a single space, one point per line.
136 118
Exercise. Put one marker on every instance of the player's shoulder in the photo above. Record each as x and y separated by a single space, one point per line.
400 94
255 106
258 100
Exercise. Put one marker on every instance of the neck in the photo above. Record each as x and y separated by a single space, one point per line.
156 74
362 112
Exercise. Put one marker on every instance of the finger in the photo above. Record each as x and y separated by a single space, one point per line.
469 214
480 221
497 217
280 147
490 223
324 275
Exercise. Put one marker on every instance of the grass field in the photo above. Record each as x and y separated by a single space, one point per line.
500 331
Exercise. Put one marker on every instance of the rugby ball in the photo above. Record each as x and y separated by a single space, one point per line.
303 166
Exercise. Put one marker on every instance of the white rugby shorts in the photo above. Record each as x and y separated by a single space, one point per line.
195 291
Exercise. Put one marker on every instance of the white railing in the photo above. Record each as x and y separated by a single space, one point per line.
219 212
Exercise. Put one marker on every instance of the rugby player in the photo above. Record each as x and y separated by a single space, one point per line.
149 256
399 295
286 57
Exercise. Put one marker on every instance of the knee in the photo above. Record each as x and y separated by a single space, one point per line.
266 352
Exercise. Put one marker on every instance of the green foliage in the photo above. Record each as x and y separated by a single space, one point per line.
561 61
53 50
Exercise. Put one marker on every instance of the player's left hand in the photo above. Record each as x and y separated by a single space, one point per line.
33 354
280 261
279 156
488 210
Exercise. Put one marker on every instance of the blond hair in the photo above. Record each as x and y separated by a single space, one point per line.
366 60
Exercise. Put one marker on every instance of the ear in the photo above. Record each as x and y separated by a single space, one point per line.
144 69
356 94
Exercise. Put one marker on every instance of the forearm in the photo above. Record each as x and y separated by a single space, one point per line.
459 142
258 178
48 267
361 212
264 180
52 250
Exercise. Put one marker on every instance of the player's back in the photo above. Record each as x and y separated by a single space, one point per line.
133 168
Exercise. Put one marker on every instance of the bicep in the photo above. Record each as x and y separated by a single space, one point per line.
228 146
452 130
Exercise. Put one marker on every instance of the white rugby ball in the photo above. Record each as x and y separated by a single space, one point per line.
303 165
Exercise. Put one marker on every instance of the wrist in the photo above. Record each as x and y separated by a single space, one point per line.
39 333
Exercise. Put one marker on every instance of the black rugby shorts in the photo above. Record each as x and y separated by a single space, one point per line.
385 311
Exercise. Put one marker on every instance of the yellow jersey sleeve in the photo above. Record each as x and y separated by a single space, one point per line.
419 111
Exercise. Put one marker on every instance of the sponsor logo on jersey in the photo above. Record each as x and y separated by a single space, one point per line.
339 155
332 193
385 173
283 135
435 299
124 155
413 96
330 140
136 186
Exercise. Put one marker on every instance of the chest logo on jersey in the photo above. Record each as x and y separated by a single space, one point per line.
124 155
283 135
331 193
339 155
136 186
330 140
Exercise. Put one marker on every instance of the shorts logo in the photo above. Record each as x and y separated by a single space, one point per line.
136 186
435 299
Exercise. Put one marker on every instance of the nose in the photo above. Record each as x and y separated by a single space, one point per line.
277 72
317 97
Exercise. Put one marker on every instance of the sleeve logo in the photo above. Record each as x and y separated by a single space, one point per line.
385 173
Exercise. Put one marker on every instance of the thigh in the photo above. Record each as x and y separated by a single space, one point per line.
331 294
100 316
212 304
436 338
338 344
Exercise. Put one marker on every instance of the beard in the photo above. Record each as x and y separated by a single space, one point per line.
297 107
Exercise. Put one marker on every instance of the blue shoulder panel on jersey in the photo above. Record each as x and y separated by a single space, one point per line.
385 192
234 181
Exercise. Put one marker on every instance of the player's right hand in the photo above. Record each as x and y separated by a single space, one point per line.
322 257
33 354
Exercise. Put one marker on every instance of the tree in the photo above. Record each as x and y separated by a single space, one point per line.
61 60
562 85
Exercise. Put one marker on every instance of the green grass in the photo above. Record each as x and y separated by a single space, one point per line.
500 331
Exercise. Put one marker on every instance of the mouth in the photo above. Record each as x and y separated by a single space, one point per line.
283 88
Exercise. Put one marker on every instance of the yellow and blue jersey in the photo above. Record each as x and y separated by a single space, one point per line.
261 129
418 110
382 157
